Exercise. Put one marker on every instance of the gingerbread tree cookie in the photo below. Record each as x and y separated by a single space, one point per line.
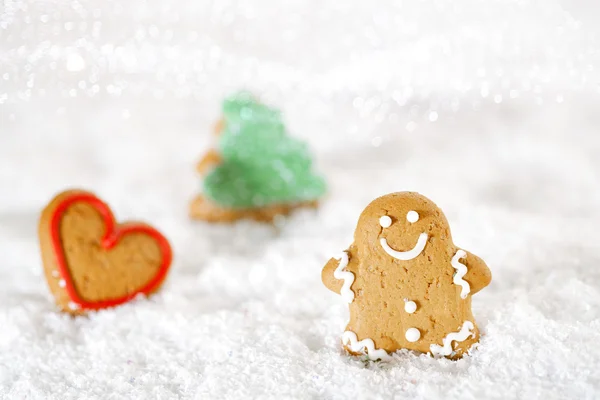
407 285
256 170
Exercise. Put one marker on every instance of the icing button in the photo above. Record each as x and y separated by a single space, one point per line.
412 334
410 307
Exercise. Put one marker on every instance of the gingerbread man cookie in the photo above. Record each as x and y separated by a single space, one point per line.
407 285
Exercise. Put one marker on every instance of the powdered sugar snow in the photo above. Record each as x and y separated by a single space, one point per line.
489 109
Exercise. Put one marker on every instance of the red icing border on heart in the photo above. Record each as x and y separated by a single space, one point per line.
113 234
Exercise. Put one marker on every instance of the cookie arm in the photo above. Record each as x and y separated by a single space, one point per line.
329 280
478 274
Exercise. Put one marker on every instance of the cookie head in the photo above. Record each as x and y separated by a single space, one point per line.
402 226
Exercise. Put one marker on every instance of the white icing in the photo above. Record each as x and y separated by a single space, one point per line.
73 306
385 221
55 274
348 277
62 283
412 335
412 216
459 336
461 271
410 307
406 255
365 344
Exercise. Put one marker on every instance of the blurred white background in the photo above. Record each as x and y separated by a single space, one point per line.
490 108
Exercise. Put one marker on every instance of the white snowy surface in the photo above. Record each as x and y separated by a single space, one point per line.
490 108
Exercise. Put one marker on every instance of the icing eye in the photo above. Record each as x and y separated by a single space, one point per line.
385 221
412 217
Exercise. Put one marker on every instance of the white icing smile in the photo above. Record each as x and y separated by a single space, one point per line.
406 255
412 217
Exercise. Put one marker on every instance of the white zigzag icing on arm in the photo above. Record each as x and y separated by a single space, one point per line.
459 336
348 277
365 344
461 271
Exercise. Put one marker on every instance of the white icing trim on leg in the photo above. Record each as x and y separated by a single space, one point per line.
348 277
461 271
406 255
365 344
459 336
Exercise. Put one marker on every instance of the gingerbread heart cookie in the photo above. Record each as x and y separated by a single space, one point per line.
91 262
407 285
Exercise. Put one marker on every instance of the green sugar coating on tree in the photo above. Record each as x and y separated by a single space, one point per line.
261 164
242 107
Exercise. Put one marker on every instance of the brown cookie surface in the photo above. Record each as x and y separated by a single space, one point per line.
204 209
410 287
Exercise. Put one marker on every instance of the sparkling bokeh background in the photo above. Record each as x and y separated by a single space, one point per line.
488 107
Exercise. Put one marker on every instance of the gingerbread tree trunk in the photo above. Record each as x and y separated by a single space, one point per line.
257 170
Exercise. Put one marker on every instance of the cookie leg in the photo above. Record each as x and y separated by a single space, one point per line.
456 344
462 348
378 347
